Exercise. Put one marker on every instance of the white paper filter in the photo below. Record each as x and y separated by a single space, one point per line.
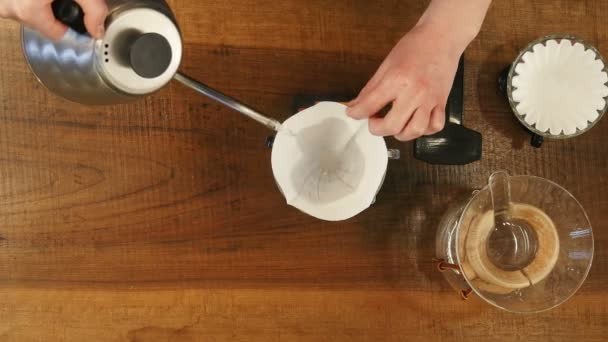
560 87
327 164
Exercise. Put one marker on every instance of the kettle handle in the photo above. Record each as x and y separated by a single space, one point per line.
70 13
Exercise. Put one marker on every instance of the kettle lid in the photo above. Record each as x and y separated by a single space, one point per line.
150 55
141 50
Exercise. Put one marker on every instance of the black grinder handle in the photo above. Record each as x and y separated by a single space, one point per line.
455 105
70 13
455 144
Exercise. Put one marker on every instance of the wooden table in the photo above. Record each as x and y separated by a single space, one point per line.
160 221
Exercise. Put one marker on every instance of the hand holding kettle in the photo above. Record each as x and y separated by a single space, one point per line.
38 15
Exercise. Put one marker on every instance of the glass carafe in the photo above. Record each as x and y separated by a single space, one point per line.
554 255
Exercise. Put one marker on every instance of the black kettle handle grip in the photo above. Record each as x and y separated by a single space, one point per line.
70 13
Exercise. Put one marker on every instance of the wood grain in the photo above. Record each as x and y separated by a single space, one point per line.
160 221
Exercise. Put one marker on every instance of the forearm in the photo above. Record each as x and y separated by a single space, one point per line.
457 20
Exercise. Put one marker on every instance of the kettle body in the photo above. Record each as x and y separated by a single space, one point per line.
140 53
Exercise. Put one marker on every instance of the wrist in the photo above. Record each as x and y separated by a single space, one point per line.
454 41
455 22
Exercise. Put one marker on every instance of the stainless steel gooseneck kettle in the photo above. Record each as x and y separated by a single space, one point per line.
140 53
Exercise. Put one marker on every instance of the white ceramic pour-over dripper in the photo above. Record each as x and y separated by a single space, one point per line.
561 234
325 164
